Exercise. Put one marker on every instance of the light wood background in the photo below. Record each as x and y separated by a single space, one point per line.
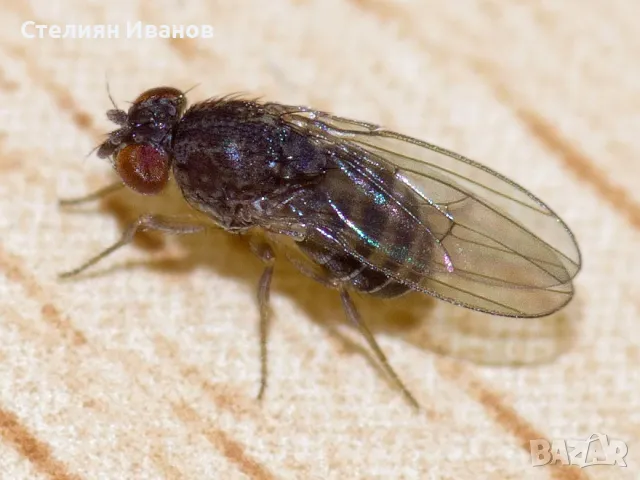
147 366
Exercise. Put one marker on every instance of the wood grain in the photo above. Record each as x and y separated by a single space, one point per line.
148 367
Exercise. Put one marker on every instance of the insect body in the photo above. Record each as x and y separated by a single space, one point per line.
360 208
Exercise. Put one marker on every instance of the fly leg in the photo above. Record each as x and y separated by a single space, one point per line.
262 249
102 192
354 317
143 223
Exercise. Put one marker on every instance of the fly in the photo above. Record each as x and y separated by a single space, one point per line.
354 206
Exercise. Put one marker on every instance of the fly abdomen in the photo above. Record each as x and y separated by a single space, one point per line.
389 246
342 268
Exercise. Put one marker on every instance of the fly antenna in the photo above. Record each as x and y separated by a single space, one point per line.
106 80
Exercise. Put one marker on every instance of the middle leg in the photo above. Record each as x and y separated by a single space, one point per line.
263 251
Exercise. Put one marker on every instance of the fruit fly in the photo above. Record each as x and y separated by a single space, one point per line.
359 208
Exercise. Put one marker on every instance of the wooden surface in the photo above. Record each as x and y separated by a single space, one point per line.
147 366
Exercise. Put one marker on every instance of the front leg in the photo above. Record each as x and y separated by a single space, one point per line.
98 194
147 222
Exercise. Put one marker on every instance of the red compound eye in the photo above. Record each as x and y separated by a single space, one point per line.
170 93
143 168
159 92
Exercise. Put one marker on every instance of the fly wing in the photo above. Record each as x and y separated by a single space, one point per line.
492 247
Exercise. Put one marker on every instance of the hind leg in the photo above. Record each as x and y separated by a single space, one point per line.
354 318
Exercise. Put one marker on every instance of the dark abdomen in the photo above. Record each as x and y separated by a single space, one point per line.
379 234
345 269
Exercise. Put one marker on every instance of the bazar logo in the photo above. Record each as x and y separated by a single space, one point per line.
595 450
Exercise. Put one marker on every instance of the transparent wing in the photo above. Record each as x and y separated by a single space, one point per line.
493 246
